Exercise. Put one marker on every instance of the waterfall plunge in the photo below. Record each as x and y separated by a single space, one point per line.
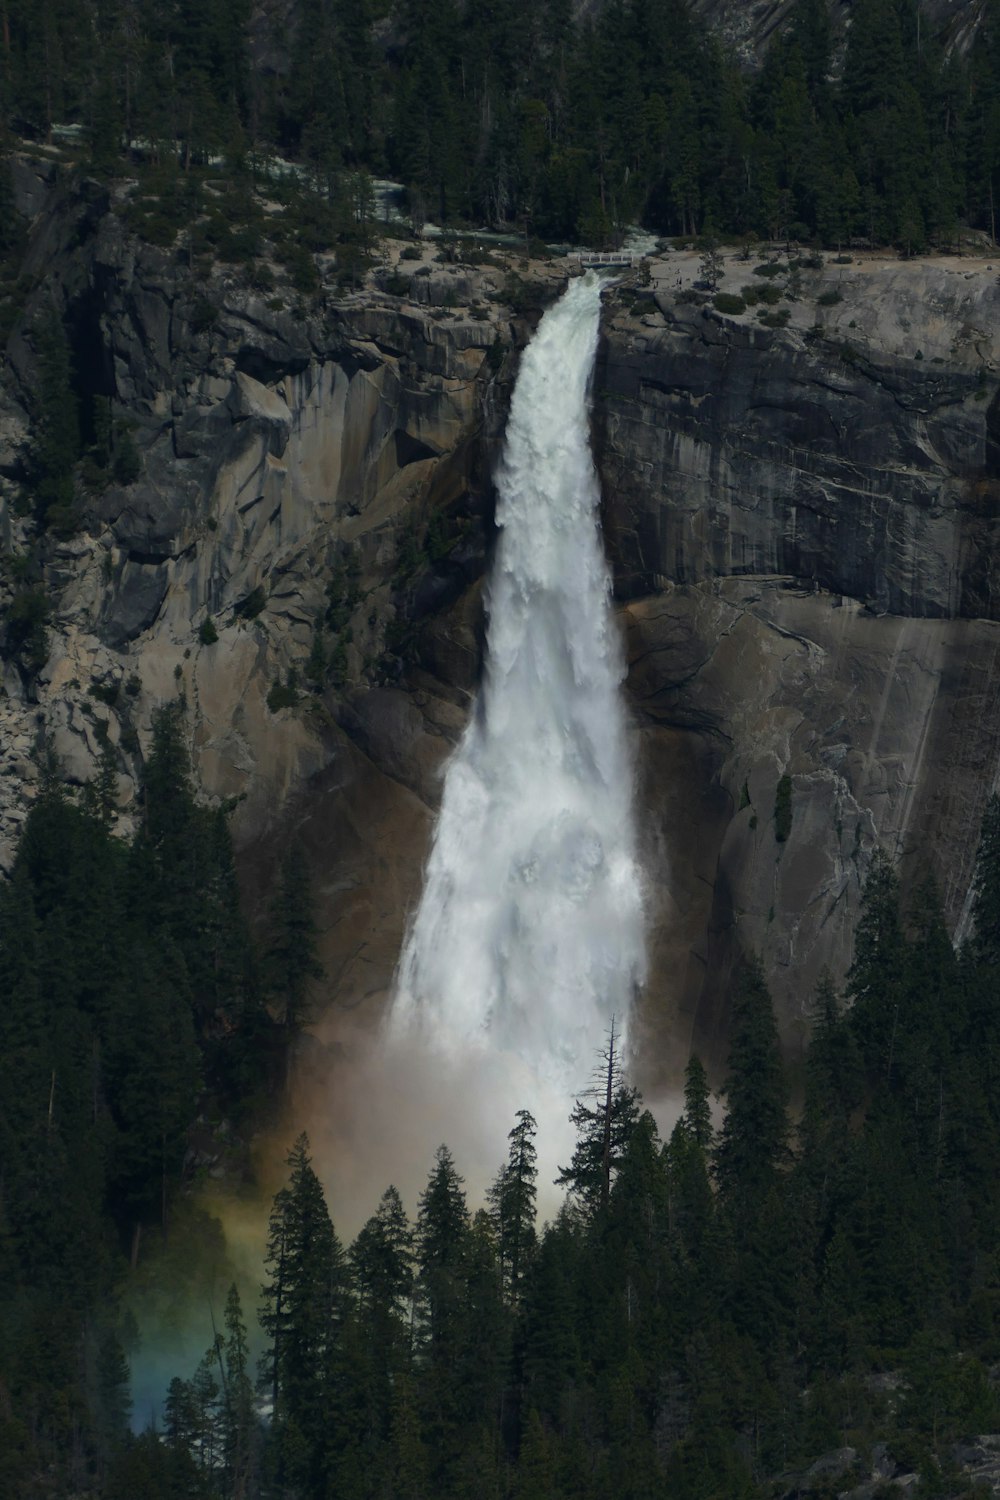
529 932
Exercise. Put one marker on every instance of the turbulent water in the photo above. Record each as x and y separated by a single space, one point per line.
528 936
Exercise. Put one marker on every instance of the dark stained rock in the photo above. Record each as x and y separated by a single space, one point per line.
740 450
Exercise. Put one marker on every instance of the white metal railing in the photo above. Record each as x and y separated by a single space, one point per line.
606 258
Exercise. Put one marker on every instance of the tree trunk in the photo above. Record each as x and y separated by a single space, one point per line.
606 1149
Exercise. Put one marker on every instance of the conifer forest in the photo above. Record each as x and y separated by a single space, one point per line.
568 127
792 1287
703 1314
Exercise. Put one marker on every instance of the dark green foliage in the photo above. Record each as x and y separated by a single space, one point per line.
566 127
726 302
697 1115
985 943
126 997
304 1312
318 662
282 695
604 1117
752 1145
291 963
783 801
207 633
659 1337
875 982
57 428
26 638
127 465
512 1199
204 315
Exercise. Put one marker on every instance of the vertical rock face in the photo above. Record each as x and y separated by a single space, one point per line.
290 467
803 526
857 454
749 26
885 730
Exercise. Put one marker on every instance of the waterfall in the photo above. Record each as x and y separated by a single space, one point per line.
529 934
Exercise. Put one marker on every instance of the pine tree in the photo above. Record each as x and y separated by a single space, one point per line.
552 1357
512 1200
442 1246
834 1081
239 1428
697 1115
381 1261
875 980
981 955
686 1160
984 945
752 1144
291 962
305 1302
58 427
604 1128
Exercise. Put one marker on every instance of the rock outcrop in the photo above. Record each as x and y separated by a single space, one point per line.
292 458
749 26
803 526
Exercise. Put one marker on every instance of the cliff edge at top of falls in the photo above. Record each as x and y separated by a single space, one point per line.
802 523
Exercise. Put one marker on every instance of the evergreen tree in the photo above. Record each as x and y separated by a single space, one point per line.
381 1261
57 446
875 980
697 1115
442 1249
752 1144
239 1431
604 1127
834 1082
984 945
291 962
305 1300
512 1200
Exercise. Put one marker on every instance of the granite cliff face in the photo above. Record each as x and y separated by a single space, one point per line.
748 26
803 528
804 523
292 458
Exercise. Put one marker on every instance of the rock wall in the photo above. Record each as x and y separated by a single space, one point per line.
803 526
804 523
749 26
290 461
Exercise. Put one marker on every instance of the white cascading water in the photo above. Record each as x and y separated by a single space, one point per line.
529 933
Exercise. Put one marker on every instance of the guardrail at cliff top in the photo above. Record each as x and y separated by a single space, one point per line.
606 258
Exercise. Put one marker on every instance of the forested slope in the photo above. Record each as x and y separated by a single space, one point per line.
717 1310
706 1316
520 114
